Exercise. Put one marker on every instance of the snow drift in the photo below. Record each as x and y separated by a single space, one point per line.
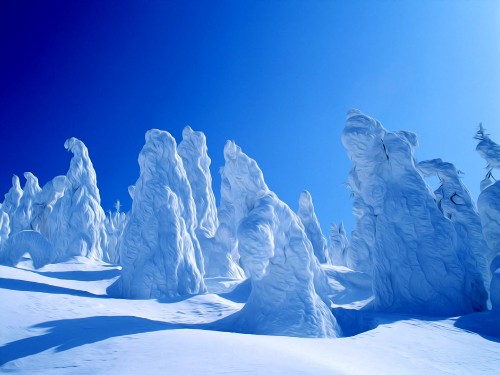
419 262
275 252
159 252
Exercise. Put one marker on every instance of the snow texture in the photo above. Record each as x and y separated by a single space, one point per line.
338 245
275 252
75 226
313 229
159 252
45 201
420 264
12 198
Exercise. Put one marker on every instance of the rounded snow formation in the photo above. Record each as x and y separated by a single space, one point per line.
313 229
75 225
44 202
31 242
275 252
159 252
419 262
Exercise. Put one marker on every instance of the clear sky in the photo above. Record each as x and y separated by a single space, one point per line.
275 76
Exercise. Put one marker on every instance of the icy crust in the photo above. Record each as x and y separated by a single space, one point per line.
159 252
338 245
75 226
276 254
420 265
313 229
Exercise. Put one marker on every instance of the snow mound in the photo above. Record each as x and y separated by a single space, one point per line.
313 229
75 225
419 262
275 252
159 252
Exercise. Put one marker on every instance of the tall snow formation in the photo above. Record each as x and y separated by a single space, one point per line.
420 265
338 245
4 228
24 213
454 201
488 205
45 201
75 226
193 151
313 229
286 277
159 252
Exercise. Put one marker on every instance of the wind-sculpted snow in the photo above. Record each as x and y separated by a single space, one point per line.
45 201
75 226
275 252
23 215
4 228
193 151
27 241
313 229
338 245
488 150
454 201
420 264
159 252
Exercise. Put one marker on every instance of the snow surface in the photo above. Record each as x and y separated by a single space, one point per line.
58 321
419 262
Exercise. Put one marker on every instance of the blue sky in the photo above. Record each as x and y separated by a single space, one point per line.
275 76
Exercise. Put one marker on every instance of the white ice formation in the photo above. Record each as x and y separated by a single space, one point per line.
488 205
419 263
338 245
75 225
12 198
27 241
159 252
114 225
275 252
313 229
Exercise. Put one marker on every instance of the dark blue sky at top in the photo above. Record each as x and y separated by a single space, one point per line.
275 76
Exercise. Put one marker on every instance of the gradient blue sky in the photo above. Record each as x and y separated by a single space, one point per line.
275 76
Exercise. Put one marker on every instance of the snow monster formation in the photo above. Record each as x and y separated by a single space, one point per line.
12 199
193 151
274 250
420 265
114 225
454 201
488 205
159 252
75 226
313 229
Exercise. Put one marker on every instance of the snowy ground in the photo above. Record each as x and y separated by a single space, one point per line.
58 320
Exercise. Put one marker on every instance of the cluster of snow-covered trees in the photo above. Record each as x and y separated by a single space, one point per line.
426 252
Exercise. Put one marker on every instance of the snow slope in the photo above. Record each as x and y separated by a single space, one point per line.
57 321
